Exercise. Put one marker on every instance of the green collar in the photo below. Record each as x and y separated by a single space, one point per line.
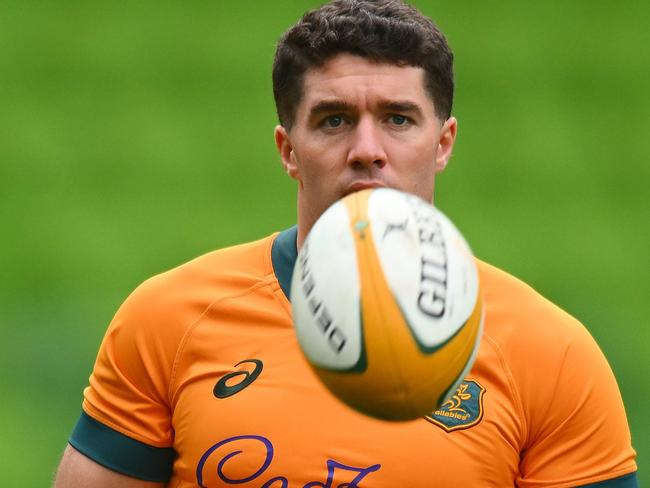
283 256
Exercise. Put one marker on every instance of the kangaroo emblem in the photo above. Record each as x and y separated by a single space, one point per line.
462 410
455 402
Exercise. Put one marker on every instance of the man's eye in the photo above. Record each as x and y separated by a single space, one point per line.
397 119
333 121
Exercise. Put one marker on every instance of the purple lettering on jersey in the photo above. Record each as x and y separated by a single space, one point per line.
331 467
278 481
223 477
284 482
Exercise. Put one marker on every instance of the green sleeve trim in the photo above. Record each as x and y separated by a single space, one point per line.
120 453
627 481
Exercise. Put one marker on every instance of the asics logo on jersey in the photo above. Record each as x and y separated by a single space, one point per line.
464 409
236 381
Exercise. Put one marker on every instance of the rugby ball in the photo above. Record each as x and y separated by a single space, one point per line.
386 303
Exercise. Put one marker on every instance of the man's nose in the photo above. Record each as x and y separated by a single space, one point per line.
367 147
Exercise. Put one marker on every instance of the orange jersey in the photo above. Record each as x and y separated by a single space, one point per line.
200 381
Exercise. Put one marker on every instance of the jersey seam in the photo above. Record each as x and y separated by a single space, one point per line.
279 296
514 391
137 387
194 325
282 299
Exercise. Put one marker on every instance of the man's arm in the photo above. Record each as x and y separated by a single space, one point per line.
79 471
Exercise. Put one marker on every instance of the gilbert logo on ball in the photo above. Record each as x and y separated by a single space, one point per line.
386 303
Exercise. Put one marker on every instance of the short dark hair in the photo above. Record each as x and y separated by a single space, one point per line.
380 30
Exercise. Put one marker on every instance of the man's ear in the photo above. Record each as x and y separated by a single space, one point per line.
285 148
446 143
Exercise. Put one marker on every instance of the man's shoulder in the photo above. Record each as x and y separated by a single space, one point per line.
222 271
175 298
534 337
523 324
516 303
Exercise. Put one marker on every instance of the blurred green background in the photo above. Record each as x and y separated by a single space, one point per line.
135 136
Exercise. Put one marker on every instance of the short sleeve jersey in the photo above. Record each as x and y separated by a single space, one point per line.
200 381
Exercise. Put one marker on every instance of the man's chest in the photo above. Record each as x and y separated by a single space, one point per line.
248 411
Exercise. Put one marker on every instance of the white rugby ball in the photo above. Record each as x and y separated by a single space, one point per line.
387 304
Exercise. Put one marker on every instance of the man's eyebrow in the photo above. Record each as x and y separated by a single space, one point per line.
401 107
330 106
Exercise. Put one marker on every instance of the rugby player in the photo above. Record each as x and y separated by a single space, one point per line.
199 380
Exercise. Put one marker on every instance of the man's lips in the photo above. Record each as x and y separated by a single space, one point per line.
363 184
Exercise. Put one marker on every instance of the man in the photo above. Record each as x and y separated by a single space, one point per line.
200 382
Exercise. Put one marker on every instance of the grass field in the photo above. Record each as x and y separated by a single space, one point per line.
136 136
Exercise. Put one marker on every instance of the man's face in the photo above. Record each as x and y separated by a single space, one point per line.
362 124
